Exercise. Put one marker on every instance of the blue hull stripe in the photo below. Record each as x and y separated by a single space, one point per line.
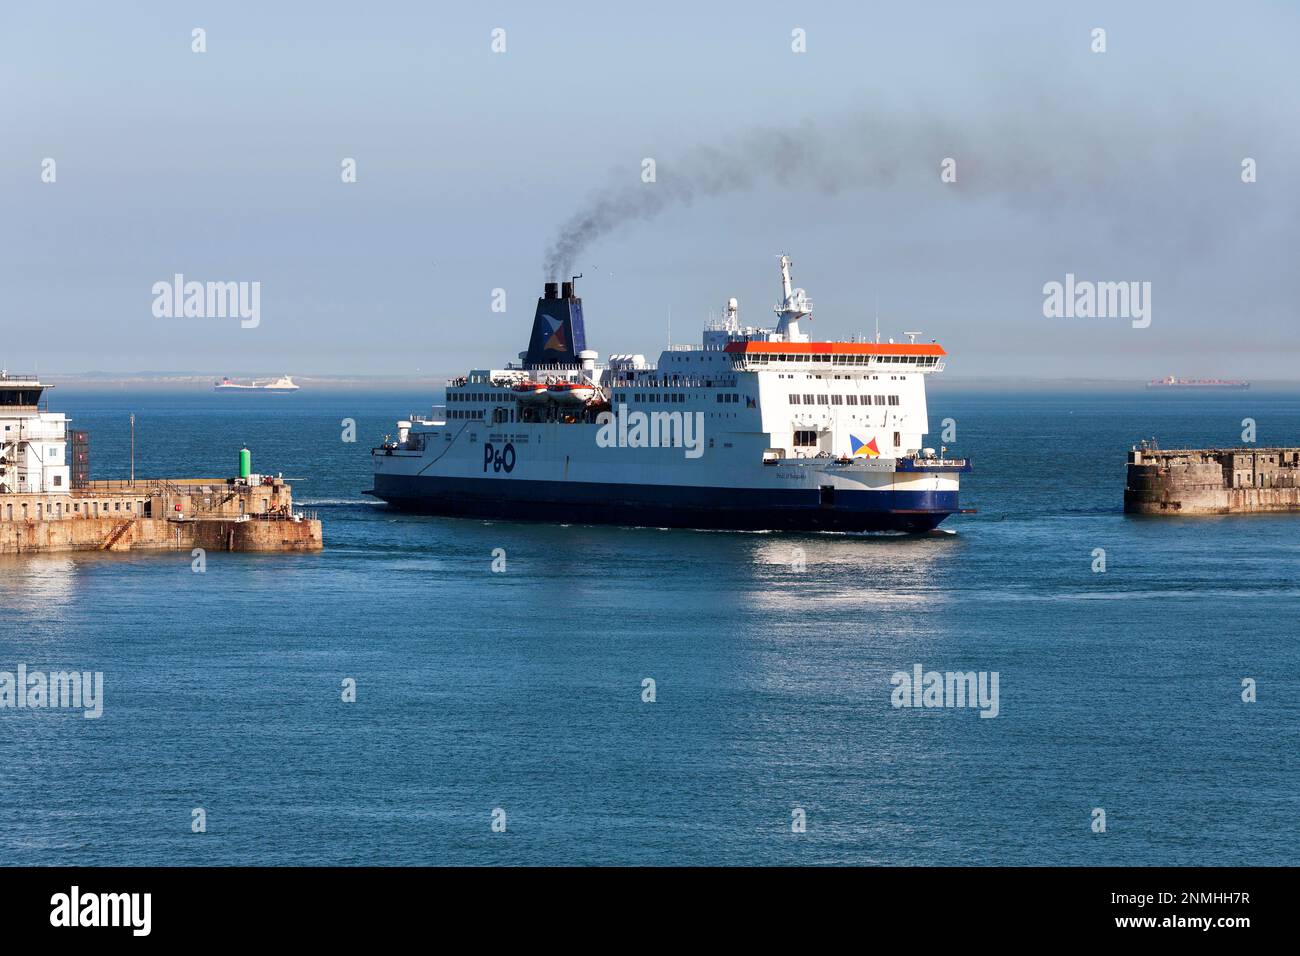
667 506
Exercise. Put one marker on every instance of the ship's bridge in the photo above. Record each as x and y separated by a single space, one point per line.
894 357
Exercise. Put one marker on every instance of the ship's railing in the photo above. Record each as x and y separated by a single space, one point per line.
672 381
753 363
560 367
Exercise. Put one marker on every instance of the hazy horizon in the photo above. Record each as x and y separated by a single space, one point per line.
474 167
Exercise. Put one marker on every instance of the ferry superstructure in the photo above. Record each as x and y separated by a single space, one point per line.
753 429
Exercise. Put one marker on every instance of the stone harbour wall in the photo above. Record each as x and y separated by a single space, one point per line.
1212 481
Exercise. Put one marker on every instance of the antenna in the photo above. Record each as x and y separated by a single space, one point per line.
877 297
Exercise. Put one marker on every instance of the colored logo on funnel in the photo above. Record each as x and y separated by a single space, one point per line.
556 342
864 448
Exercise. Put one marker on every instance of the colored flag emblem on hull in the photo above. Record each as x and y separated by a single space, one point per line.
866 449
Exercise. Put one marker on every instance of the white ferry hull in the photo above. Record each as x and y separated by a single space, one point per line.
557 473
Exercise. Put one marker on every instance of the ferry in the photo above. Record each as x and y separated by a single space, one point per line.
755 429
282 384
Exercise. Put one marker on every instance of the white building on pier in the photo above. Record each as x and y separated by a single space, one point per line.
33 441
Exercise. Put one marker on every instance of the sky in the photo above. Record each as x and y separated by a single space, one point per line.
227 166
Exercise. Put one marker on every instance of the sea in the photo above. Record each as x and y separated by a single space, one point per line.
530 694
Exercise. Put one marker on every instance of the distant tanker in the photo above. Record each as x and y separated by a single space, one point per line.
283 384
1179 384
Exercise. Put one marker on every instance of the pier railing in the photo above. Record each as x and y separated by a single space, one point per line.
283 516
162 486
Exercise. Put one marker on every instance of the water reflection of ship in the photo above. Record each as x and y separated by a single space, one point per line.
899 570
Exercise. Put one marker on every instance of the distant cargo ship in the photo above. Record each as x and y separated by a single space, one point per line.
1178 384
282 384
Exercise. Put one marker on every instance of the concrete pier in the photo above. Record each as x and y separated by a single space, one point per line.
160 514
1212 481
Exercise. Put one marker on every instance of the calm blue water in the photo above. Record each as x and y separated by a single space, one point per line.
522 690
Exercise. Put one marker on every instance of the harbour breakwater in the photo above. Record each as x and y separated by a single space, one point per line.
1212 481
159 514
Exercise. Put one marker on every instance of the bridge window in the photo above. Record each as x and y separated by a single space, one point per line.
804 439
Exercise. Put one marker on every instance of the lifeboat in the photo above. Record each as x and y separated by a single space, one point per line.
571 393
529 391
